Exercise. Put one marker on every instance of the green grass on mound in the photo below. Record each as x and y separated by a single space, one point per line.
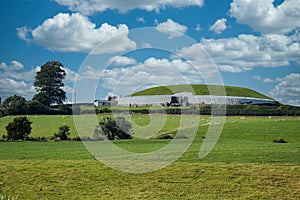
200 89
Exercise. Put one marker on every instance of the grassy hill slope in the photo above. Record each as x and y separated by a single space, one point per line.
200 89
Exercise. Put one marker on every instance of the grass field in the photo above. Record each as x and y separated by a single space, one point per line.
245 164
200 89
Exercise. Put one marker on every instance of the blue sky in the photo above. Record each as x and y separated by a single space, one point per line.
118 47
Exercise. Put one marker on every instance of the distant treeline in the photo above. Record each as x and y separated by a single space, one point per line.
35 108
230 110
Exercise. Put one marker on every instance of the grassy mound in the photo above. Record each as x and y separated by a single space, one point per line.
200 89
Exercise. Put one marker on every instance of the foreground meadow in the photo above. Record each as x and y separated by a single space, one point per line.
245 164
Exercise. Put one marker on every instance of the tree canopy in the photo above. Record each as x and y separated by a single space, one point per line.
14 105
49 84
113 129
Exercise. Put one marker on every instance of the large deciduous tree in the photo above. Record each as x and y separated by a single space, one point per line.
49 84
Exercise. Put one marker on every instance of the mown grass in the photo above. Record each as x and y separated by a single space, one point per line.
244 164
82 179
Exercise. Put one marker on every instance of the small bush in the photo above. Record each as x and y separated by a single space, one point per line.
85 138
166 136
65 109
279 141
18 129
4 138
112 129
63 133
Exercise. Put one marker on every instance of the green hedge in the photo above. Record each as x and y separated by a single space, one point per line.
247 110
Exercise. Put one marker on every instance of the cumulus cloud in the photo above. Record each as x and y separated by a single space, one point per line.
198 27
89 7
9 87
121 61
153 71
14 65
76 33
268 80
197 56
24 33
140 19
171 28
15 80
146 45
15 71
71 75
219 26
288 89
247 51
264 17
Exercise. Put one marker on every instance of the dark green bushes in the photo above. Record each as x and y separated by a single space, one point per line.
63 133
112 129
18 129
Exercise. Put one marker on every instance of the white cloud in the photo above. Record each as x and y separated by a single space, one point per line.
140 19
24 33
197 56
171 28
247 51
256 78
146 45
89 7
219 26
153 71
230 68
15 71
90 73
9 87
198 27
15 80
14 65
76 33
268 80
288 89
261 15
71 75
121 61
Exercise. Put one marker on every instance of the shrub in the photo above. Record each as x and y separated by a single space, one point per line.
4 138
65 109
279 141
14 105
166 136
35 107
18 129
63 133
113 129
